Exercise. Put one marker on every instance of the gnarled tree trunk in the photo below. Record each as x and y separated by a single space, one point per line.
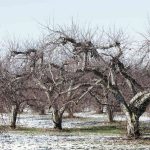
133 126
138 105
132 117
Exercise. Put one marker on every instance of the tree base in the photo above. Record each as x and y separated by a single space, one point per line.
58 126
133 134
13 126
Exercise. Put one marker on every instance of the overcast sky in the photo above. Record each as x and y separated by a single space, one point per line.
19 18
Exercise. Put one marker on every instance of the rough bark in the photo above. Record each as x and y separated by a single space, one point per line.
132 119
138 105
133 126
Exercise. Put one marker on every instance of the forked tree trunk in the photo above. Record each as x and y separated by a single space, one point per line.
57 119
132 119
133 126
15 109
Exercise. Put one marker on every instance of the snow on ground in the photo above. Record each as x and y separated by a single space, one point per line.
44 121
103 117
13 141
22 141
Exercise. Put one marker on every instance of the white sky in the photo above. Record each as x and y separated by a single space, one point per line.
18 18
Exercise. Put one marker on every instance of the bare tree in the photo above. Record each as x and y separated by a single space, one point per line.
98 62
109 71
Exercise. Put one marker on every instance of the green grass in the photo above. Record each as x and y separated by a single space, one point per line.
97 130
104 128
73 131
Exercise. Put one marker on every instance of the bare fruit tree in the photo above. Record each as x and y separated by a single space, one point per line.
110 52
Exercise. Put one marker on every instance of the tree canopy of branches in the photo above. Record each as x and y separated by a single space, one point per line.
70 64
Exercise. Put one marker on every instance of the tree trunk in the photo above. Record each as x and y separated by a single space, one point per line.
133 126
99 110
14 113
58 124
109 110
57 119
42 112
110 114
70 113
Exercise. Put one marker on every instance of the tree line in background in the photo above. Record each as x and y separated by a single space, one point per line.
72 69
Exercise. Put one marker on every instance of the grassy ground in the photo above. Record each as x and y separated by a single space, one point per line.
102 136
118 128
